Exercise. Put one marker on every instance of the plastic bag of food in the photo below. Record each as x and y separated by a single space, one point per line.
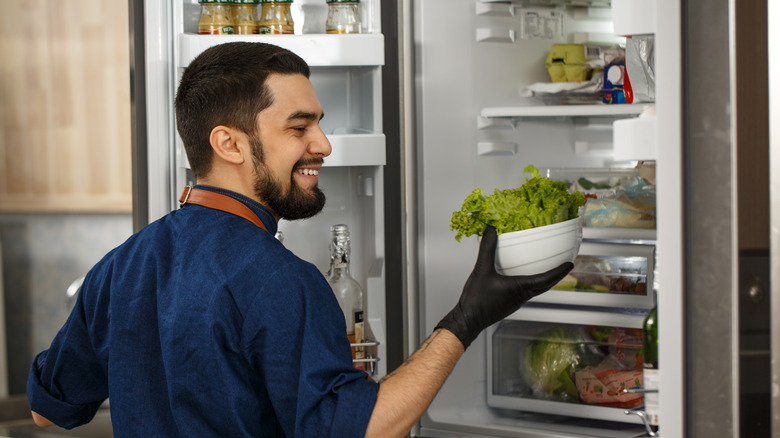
640 73
548 363
631 206
603 384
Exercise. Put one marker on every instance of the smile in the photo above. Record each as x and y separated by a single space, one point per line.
311 172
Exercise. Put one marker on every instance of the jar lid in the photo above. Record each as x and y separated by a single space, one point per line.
342 1
246 1
215 1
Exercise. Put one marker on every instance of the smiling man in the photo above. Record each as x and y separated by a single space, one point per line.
204 325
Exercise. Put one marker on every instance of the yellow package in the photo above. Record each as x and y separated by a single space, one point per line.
567 63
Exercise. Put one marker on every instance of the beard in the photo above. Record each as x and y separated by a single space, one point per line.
296 203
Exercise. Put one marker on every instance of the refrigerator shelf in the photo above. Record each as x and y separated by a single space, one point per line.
356 150
542 111
638 236
318 50
347 150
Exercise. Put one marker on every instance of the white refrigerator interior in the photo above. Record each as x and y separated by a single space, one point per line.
475 127
470 126
346 74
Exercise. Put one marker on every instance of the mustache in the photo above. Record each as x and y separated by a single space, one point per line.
305 162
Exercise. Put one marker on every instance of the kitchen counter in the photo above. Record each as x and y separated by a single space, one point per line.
16 422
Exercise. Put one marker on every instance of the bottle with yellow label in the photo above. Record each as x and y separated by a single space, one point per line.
343 16
215 17
276 17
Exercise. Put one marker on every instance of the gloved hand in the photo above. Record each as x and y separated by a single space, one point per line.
489 297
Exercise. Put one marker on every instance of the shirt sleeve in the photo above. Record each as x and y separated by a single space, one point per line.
66 383
296 339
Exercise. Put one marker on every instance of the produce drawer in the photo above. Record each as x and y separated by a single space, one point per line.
577 368
607 275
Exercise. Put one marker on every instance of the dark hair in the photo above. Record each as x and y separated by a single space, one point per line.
226 85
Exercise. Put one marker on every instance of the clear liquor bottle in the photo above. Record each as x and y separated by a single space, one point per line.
347 290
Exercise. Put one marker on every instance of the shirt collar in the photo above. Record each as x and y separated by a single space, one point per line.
265 216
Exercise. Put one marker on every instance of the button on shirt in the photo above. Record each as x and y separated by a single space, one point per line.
203 324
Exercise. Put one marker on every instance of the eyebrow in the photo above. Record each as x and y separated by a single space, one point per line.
305 115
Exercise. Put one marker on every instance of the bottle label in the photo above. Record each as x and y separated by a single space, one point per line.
651 381
359 352
275 30
215 30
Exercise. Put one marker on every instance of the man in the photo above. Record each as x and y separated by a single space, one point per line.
203 324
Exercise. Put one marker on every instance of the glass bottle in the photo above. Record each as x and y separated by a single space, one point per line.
276 18
244 14
343 16
347 290
215 17
650 353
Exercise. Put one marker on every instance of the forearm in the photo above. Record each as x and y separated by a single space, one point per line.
406 393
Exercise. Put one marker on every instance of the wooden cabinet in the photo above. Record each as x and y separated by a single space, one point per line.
65 107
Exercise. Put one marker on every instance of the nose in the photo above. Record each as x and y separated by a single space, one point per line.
319 144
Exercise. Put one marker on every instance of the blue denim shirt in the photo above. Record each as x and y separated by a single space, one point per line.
203 324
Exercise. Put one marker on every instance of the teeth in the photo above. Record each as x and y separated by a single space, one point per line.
309 171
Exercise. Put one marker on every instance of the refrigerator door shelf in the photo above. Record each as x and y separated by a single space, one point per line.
632 17
316 49
636 139
347 150
356 150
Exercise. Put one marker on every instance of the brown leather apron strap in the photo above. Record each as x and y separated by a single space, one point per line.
218 201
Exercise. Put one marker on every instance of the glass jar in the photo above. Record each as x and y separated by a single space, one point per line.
276 17
244 13
343 16
215 17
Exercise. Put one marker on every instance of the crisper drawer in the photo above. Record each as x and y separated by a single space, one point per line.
577 368
607 275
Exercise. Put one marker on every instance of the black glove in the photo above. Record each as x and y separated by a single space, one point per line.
489 297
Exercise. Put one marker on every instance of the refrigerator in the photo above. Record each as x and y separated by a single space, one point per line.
431 101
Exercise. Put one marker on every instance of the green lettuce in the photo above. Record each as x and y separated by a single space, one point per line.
539 201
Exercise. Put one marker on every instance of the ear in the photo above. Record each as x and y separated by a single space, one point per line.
224 141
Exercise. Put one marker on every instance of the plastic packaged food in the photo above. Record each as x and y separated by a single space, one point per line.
617 198
343 16
640 69
276 17
215 17
614 76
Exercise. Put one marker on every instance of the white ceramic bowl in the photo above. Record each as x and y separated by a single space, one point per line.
540 249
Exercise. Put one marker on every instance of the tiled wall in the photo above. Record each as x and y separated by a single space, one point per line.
42 254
